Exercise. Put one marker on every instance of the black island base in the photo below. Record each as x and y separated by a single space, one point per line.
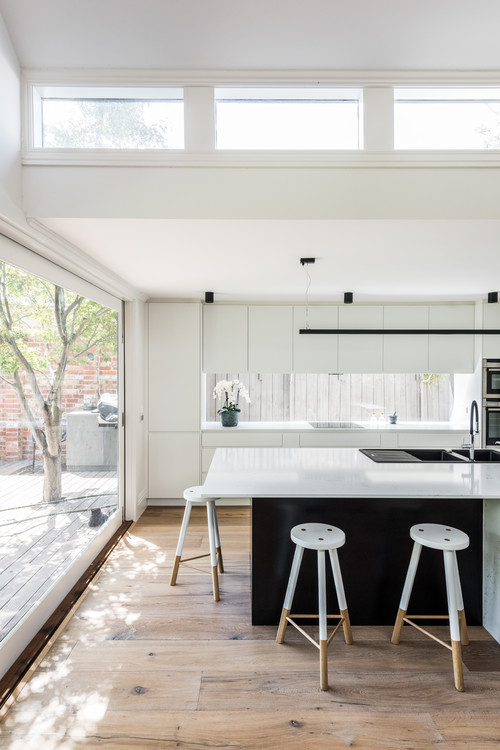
374 559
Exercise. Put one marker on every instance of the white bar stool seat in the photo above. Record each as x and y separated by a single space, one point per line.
449 540
193 496
319 537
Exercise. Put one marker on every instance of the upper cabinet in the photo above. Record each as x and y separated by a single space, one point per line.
491 319
270 332
451 352
315 352
266 338
174 366
225 338
406 352
361 352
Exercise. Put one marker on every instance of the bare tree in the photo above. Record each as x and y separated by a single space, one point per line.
42 328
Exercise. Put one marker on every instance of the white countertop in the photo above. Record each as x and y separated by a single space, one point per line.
364 426
341 472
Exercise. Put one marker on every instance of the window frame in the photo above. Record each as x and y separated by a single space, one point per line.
199 116
292 95
444 95
36 92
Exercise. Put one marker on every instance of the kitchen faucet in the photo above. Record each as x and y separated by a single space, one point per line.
473 410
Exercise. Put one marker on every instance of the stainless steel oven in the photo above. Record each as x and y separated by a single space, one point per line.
491 379
491 424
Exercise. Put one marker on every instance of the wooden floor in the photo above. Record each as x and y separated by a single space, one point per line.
40 540
145 665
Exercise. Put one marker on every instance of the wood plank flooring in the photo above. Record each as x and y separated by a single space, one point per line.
39 539
146 665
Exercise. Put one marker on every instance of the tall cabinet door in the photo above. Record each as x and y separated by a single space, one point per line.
361 352
270 338
491 319
451 352
315 352
406 352
174 398
225 338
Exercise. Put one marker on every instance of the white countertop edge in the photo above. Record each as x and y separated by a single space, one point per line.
347 496
342 473
306 427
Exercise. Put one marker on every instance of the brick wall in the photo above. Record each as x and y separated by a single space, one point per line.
83 381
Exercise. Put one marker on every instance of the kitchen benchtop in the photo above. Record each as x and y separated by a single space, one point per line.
341 472
364 427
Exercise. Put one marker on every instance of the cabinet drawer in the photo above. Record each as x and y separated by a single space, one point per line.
174 463
336 440
431 440
242 439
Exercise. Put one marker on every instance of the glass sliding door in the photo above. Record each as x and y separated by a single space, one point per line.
60 427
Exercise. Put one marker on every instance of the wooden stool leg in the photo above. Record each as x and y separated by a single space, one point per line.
290 591
458 668
339 587
323 665
213 554
398 626
450 569
218 549
180 543
464 635
323 638
407 589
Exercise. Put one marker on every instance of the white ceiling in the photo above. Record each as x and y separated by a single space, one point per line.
260 260
375 259
262 34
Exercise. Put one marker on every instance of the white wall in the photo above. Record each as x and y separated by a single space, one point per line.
267 193
10 129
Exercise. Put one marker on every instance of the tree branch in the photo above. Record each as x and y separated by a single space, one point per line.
38 434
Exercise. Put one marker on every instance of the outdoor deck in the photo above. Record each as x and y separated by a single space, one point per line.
39 540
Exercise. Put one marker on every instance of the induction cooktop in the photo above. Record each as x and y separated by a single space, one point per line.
335 425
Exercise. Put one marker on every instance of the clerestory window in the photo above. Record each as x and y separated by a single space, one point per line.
288 118
437 118
83 117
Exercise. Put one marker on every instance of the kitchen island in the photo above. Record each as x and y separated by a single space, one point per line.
375 504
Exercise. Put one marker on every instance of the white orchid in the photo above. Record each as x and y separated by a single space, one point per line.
230 392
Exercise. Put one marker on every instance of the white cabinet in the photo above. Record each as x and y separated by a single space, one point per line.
174 463
491 319
451 352
174 366
361 352
431 439
315 352
270 338
174 397
243 439
225 338
340 439
406 352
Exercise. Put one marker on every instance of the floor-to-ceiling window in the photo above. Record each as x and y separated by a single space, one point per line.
60 427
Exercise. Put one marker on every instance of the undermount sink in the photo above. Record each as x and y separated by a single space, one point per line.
429 455
417 455
480 455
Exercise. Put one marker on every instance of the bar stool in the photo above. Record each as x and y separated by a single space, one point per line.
321 537
192 496
449 540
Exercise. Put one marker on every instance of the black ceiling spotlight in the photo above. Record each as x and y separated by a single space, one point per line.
348 297
304 261
209 297
492 296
